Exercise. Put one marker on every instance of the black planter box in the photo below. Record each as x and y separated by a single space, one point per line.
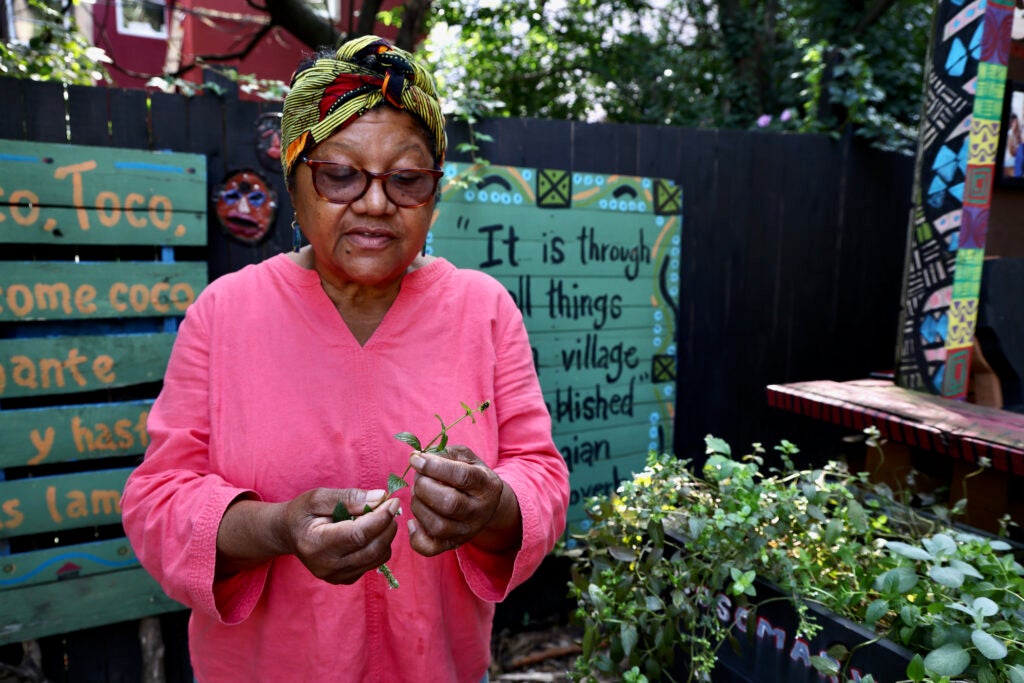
765 647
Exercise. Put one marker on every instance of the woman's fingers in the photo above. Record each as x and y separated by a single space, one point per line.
342 552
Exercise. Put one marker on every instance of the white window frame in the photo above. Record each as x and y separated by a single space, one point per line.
140 29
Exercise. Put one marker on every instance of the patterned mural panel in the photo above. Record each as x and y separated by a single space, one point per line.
952 194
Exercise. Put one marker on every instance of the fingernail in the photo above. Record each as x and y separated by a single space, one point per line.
411 526
417 462
394 507
374 495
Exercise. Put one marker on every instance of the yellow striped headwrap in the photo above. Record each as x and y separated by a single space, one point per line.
330 91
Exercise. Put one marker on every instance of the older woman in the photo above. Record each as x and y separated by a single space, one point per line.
286 386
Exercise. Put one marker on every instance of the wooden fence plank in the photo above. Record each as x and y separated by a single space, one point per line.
38 436
129 118
88 115
60 365
12 114
45 113
61 502
50 290
39 567
98 600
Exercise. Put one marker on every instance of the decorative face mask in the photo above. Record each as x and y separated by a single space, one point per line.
246 206
268 141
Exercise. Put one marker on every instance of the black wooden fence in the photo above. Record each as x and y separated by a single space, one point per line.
793 245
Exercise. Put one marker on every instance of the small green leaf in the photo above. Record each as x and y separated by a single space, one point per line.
948 660
988 645
443 443
395 483
909 551
915 669
940 545
341 512
825 665
858 517
946 576
656 530
629 636
876 610
410 439
716 445
897 580
986 607
621 553
965 568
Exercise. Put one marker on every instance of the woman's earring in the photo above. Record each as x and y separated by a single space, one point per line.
296 236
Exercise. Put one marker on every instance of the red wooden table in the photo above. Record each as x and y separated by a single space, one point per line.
961 430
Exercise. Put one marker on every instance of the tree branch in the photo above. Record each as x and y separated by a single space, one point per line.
414 22
304 23
367 17
241 54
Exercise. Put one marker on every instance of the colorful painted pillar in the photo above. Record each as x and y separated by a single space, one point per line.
953 193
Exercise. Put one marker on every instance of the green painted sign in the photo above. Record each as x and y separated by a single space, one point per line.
49 290
67 562
593 264
66 606
60 365
37 436
61 502
74 194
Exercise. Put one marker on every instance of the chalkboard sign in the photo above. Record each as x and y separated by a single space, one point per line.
593 264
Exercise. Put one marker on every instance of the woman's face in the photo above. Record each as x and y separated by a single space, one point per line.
370 242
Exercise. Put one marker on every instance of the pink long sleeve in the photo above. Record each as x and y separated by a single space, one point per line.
268 393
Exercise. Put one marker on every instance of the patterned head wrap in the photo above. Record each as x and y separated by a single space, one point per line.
330 91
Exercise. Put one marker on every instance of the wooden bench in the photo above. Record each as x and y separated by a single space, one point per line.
92 286
972 450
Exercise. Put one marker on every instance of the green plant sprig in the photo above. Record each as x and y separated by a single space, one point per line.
396 482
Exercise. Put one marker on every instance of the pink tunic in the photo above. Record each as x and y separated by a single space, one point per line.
267 391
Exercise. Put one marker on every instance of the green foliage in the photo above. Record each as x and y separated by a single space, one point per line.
656 553
57 52
263 88
830 66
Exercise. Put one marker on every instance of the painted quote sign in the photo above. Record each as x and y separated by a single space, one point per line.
85 335
71 194
593 263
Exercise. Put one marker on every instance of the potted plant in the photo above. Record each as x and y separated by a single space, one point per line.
680 573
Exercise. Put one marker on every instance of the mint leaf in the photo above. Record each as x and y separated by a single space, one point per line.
341 512
410 439
395 482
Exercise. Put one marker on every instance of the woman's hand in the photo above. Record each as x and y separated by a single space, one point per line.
253 532
341 552
458 499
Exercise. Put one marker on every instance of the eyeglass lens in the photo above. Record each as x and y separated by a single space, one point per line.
345 184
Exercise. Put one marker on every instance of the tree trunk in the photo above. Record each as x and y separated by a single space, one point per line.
299 19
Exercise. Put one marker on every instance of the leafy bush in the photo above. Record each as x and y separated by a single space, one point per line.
655 553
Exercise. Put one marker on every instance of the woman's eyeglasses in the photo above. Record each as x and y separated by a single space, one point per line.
343 184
